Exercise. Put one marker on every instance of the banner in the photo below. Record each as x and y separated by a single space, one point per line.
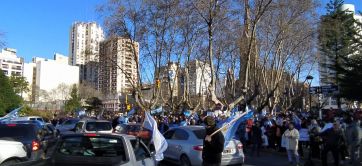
11 115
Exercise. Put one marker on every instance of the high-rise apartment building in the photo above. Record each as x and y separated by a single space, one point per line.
117 65
84 50
200 77
84 42
10 64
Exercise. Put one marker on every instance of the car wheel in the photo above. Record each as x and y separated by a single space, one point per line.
185 161
10 162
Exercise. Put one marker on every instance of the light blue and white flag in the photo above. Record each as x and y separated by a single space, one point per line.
157 138
11 115
233 122
157 110
131 112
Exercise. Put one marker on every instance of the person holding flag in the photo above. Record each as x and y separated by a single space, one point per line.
213 144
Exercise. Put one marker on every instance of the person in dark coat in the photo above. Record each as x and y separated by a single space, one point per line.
213 145
256 138
332 139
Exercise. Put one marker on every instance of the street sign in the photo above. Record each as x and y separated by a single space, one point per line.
314 90
328 89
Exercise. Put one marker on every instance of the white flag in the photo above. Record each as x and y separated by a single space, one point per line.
157 138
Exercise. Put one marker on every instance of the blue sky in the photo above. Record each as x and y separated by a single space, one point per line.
41 27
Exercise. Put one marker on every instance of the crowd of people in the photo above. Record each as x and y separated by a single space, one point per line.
291 132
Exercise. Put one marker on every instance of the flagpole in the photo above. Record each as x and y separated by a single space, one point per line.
221 128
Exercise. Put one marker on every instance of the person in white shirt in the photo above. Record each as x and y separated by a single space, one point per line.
291 137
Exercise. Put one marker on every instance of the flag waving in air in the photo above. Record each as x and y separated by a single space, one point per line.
157 138
230 126
11 115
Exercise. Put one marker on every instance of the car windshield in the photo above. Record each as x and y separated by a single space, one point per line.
199 133
16 132
98 126
93 147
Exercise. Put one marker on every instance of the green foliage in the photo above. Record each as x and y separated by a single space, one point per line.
8 98
352 80
27 111
74 102
336 40
94 103
19 84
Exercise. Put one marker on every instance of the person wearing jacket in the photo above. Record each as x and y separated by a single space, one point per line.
291 137
213 145
353 137
256 138
332 139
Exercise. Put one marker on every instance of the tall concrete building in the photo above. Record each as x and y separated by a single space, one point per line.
200 77
172 71
117 63
84 50
10 64
46 75
84 42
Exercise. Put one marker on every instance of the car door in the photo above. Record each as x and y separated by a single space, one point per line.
142 154
179 141
168 135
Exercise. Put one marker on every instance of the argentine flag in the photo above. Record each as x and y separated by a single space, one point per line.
157 138
11 115
233 122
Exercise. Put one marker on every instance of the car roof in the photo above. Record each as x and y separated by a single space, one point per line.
99 134
191 127
94 120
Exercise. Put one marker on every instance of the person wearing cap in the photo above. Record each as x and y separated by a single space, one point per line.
213 145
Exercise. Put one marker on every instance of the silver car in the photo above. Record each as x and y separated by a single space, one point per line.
185 147
93 126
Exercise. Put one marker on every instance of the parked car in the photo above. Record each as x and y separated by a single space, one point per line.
185 147
28 134
93 126
66 126
138 131
90 149
29 118
11 152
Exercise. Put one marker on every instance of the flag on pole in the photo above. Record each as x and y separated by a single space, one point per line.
11 115
157 138
131 112
231 125
157 110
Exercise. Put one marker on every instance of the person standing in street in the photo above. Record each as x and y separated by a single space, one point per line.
256 138
291 137
332 139
353 136
213 145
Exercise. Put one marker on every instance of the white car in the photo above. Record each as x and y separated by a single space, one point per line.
38 118
93 126
11 152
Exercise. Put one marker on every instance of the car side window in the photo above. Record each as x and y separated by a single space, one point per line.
180 135
79 126
140 151
169 134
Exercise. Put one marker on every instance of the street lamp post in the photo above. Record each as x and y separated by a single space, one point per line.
309 80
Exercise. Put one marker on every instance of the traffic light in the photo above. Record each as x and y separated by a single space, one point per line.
128 107
158 83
